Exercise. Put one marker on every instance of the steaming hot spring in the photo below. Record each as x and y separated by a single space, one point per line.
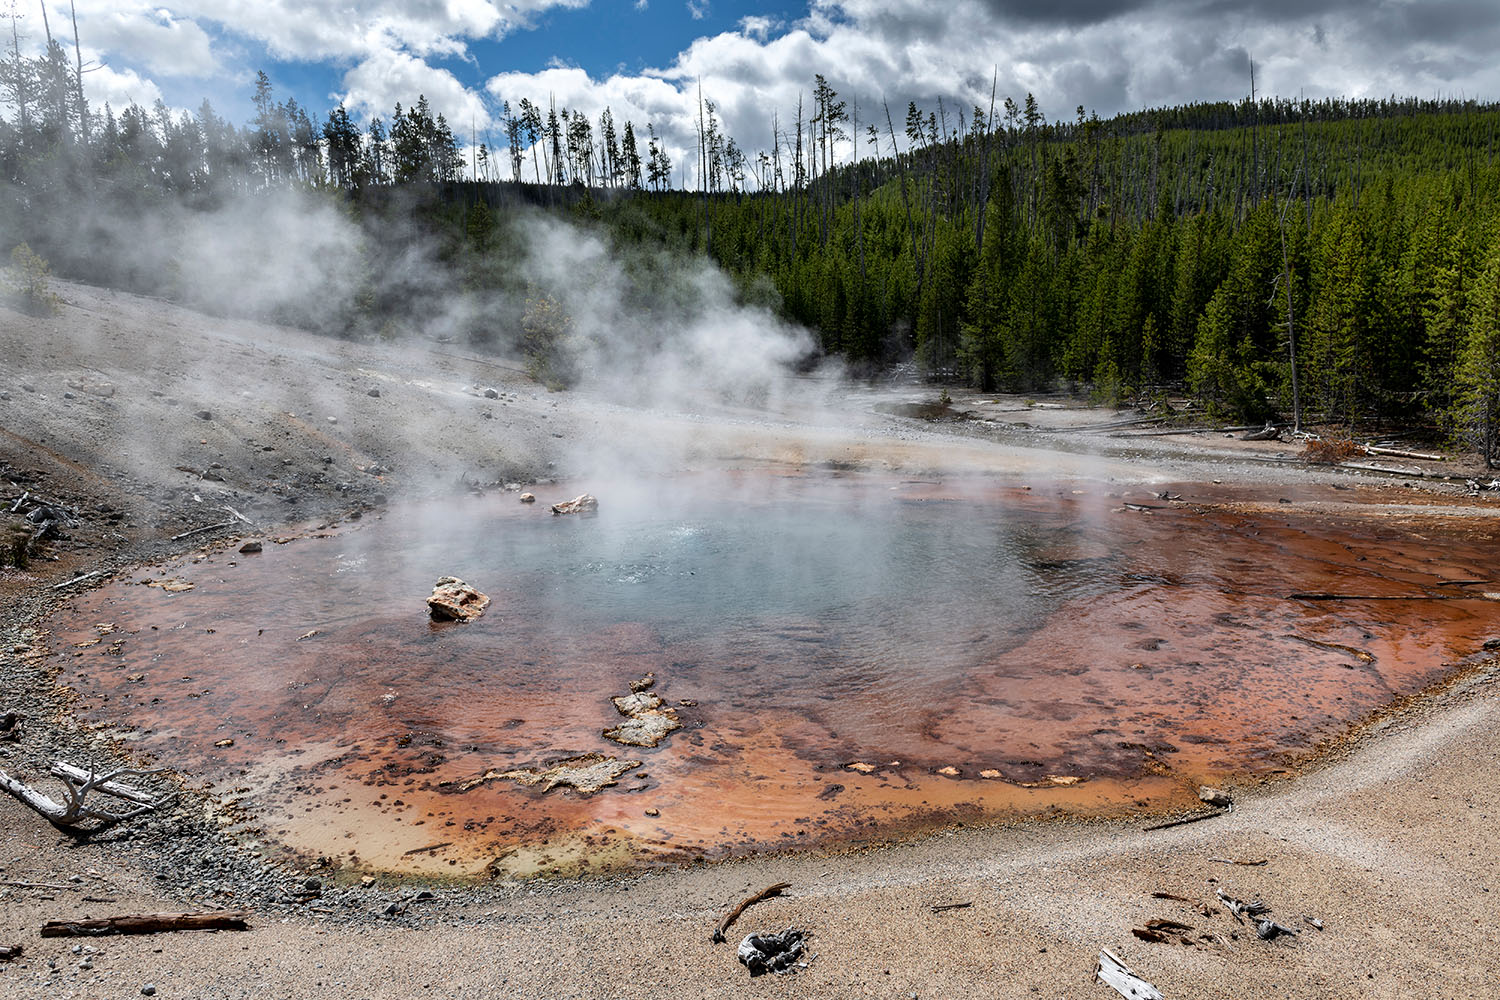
819 658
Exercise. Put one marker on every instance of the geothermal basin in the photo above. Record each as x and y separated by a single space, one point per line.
852 658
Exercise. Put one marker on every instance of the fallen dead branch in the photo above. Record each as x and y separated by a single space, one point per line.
1234 861
1318 595
1239 908
149 923
54 886
743 905
80 579
206 528
1184 822
78 784
941 907
1116 974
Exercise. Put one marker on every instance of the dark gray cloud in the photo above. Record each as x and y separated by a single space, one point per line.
1069 12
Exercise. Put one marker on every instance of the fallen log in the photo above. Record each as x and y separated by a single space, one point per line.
742 906
149 923
1398 453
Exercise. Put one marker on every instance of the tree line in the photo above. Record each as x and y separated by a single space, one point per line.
1334 259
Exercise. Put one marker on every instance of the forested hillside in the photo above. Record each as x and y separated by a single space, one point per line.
1333 259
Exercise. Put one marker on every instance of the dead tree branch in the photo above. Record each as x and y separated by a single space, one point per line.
744 904
78 784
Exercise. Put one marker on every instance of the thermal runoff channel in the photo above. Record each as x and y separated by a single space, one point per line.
846 659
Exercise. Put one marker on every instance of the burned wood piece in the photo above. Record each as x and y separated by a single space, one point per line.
10 727
149 923
762 953
1173 895
1323 596
1270 432
1161 930
78 784
10 951
743 905
1117 975
1200 817
943 907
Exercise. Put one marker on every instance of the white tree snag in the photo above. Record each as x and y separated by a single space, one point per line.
1116 974
77 786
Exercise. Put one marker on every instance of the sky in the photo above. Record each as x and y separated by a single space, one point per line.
647 59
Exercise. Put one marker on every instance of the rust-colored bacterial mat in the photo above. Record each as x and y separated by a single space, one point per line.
847 659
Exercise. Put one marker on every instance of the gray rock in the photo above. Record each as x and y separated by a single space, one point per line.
373 394
204 415
1215 796
491 394
149 990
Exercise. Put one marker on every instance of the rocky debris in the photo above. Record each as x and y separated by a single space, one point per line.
767 952
646 722
585 774
253 545
528 498
93 387
204 415
454 600
173 586
584 505
491 394
373 394
1215 796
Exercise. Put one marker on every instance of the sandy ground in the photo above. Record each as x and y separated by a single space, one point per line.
1385 840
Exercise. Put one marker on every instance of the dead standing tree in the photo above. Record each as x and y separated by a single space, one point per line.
77 814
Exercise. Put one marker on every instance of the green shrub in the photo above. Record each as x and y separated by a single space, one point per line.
25 282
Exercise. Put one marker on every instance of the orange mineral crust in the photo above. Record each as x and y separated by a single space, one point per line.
821 660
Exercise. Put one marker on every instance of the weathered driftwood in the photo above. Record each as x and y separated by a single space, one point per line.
149 923
78 784
743 905
1269 929
1116 974
80 579
1239 908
